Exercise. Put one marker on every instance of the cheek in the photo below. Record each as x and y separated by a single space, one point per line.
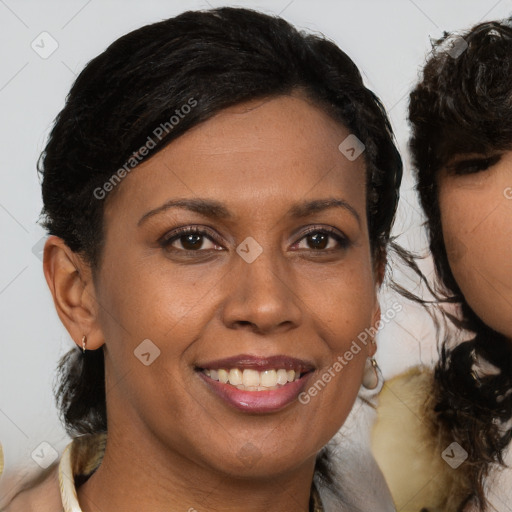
344 311
142 301
145 291
477 231
345 308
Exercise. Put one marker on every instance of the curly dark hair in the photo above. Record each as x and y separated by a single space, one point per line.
463 105
216 58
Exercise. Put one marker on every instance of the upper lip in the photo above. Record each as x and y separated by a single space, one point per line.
245 361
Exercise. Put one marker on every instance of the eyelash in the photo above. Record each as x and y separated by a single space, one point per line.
167 240
474 166
342 240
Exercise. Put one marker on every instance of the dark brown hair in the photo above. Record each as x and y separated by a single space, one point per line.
463 104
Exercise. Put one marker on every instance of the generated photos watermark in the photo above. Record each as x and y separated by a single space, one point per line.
454 455
343 360
137 156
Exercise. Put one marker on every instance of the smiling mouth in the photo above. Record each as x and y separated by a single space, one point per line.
256 384
254 380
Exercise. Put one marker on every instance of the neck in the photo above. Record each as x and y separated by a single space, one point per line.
129 479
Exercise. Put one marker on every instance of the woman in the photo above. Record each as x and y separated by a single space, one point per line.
219 190
461 144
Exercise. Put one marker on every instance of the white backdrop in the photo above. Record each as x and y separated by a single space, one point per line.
387 39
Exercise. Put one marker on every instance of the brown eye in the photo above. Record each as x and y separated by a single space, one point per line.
323 239
189 239
191 242
317 240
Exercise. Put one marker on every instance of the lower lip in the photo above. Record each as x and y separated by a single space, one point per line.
257 401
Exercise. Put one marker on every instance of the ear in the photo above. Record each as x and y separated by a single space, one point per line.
71 285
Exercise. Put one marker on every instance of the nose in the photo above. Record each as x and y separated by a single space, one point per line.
261 297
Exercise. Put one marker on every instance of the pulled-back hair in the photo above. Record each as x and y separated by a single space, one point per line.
462 105
208 60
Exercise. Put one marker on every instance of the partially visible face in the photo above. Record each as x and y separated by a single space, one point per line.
240 251
475 199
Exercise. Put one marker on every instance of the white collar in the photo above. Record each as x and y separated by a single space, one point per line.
67 483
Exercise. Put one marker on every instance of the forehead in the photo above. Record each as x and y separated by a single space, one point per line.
283 148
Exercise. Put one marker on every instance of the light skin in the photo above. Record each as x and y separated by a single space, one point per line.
172 444
475 199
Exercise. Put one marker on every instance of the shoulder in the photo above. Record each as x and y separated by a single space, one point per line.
50 488
41 494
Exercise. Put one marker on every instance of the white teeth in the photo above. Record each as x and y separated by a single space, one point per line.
253 380
235 377
223 376
281 377
269 378
250 378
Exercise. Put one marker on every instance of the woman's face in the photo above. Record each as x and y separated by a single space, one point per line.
475 198
274 276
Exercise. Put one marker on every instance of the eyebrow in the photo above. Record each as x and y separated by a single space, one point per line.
215 209
206 207
319 205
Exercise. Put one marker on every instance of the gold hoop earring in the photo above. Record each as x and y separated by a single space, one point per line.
84 343
370 375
